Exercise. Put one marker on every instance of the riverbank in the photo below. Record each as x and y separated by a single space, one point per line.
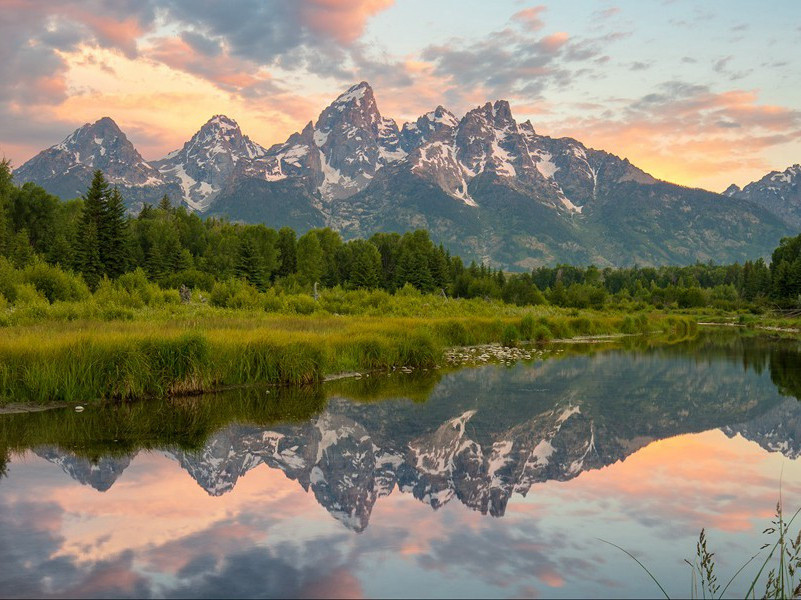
188 352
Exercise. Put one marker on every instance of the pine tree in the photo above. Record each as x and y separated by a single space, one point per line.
249 266
91 265
165 204
92 235
366 266
115 247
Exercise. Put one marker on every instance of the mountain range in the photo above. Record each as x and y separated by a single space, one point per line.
488 187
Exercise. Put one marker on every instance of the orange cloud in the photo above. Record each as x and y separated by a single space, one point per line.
554 41
696 138
343 20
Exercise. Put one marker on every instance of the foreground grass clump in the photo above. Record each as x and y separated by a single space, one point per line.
179 349
778 564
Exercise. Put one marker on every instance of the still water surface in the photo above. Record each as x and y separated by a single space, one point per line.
483 482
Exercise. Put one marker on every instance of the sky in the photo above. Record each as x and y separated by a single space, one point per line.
701 94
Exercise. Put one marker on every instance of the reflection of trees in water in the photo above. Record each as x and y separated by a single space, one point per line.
4 460
780 356
785 371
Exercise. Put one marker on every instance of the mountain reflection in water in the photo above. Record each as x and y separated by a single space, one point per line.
484 438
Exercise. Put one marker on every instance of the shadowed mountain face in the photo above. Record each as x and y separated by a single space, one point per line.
778 192
490 188
485 434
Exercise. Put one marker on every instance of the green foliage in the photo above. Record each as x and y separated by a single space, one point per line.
235 293
310 259
510 336
96 238
55 284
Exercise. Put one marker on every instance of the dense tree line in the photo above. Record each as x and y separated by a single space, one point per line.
95 237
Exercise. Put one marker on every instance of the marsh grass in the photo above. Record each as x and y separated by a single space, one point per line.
178 350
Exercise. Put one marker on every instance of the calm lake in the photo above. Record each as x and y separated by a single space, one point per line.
491 481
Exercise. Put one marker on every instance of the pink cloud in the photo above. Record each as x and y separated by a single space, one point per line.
343 20
530 18
553 42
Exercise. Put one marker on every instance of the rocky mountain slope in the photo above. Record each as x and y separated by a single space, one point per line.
66 168
490 188
779 192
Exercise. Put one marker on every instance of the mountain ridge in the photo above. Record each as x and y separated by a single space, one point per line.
491 188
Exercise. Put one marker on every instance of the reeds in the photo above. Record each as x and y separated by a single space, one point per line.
177 351
782 579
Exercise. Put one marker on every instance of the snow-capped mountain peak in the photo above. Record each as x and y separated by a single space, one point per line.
778 191
209 160
99 145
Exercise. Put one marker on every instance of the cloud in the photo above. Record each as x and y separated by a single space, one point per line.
530 18
687 132
606 13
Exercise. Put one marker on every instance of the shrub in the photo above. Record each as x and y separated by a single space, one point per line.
301 304
136 285
234 293
55 284
191 278
527 325
510 336
9 278
26 294
542 333
272 302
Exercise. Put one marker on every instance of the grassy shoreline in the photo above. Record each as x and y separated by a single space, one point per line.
200 349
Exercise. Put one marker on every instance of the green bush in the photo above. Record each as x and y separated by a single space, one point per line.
191 278
235 293
510 336
542 333
55 284
136 285
527 326
9 278
26 294
272 302
300 304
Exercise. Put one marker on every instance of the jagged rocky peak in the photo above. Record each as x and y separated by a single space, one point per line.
778 191
209 160
99 145
357 105
354 142
219 136
732 190
437 124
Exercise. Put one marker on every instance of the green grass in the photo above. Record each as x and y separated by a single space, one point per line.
186 349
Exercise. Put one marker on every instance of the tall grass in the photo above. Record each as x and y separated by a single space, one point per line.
178 350
779 573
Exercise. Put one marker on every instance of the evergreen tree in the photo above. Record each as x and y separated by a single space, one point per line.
114 250
250 266
165 204
21 253
91 265
366 265
91 231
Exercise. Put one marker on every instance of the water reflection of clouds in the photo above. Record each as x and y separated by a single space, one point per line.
157 533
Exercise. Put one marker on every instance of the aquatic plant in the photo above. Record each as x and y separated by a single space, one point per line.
783 561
